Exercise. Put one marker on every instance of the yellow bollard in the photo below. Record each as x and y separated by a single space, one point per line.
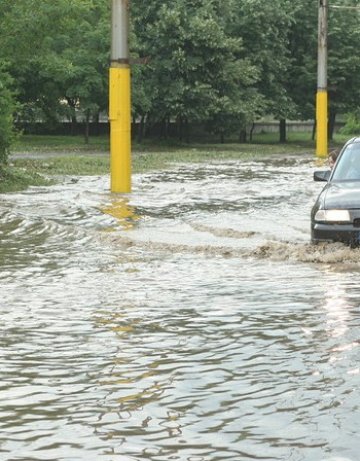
321 124
120 128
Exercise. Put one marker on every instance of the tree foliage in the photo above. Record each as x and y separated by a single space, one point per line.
58 53
196 70
7 109
219 63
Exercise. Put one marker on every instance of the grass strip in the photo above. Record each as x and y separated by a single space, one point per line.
14 179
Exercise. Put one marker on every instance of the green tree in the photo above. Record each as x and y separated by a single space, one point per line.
301 78
264 28
195 70
24 43
59 55
343 60
7 109
222 64
83 61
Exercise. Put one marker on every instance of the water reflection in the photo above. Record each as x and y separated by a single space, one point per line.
122 211
337 308
341 302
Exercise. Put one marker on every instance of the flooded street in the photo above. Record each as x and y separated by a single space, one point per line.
191 320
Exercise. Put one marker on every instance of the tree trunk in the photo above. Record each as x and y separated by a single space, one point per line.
331 124
165 128
96 120
72 105
251 132
187 130
180 130
242 135
313 131
282 130
140 135
87 126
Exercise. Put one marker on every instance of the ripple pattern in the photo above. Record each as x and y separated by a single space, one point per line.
183 323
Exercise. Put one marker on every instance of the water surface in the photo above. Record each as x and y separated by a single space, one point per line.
191 320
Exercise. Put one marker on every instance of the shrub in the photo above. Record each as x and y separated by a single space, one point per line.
352 124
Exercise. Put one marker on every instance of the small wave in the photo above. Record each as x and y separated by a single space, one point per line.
336 458
152 246
325 253
223 232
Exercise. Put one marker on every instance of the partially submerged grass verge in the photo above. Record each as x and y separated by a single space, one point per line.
147 159
14 179
77 165
27 170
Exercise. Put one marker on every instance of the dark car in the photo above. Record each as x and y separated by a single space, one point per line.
336 213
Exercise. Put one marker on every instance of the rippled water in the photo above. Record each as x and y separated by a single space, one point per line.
191 320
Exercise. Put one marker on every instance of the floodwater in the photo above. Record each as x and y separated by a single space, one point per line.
190 320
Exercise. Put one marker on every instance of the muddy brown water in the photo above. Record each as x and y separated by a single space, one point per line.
190 320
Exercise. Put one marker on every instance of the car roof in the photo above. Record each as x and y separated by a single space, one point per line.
354 140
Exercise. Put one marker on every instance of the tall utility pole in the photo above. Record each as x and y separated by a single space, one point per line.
322 94
119 100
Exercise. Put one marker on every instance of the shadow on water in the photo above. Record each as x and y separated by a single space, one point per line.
191 320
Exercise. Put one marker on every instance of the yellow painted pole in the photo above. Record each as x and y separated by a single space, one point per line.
119 100
322 94
322 123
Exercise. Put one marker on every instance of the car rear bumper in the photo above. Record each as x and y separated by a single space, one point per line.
345 233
